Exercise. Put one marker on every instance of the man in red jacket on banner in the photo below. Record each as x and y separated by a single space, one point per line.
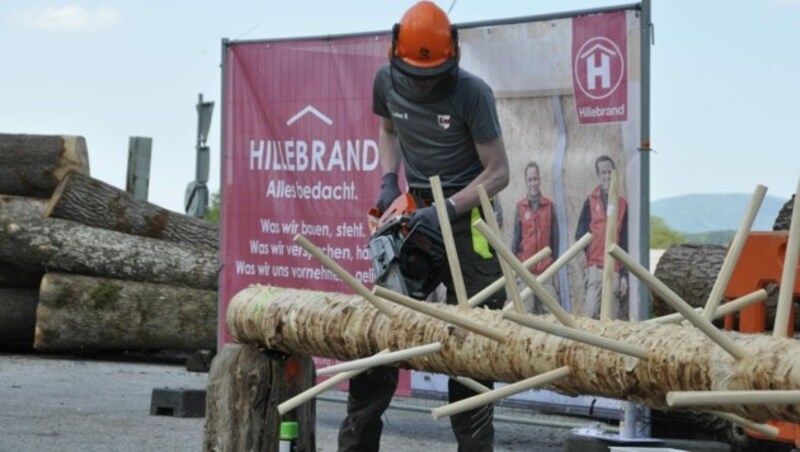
535 227
593 219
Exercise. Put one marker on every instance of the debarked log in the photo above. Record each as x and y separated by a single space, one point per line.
65 246
87 313
681 357
32 165
92 202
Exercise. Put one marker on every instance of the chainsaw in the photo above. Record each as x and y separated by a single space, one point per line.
407 261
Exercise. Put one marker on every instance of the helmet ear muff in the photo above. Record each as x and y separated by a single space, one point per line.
454 37
395 34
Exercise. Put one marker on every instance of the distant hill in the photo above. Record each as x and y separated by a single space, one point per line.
703 212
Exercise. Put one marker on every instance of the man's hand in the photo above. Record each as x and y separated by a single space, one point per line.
428 216
389 191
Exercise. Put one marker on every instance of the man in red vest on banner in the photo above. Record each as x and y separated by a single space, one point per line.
593 219
535 227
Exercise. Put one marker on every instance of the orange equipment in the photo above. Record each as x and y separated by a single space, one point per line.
761 263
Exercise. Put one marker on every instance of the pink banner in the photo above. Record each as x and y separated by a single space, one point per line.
599 72
300 157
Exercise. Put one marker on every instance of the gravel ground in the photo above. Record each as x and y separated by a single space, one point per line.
57 403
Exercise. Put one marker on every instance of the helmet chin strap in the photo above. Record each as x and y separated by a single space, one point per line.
402 85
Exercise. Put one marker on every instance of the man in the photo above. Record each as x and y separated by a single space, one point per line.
440 120
535 227
593 219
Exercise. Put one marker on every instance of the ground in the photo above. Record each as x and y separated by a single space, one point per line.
65 404
68 404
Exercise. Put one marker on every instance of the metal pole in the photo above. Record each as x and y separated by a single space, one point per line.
636 417
222 327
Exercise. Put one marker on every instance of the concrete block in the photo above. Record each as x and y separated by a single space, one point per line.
178 402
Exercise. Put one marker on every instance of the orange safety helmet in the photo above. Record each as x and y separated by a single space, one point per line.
424 43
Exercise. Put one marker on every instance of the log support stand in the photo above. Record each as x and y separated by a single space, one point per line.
245 386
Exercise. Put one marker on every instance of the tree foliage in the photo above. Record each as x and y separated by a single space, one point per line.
712 237
662 236
212 214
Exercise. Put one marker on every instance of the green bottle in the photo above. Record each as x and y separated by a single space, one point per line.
288 436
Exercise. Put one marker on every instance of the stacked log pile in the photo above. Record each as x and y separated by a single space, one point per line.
85 265
30 168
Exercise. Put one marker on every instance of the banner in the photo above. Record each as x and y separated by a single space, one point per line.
300 155
600 79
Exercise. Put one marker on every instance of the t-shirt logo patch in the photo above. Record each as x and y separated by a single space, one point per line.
444 121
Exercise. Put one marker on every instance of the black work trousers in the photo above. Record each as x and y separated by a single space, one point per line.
372 391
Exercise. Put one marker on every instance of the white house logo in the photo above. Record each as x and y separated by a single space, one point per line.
444 121
309 109
599 67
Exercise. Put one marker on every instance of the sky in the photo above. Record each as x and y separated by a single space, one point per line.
725 101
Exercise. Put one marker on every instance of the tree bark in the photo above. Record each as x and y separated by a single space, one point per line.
347 327
690 271
32 165
22 206
784 218
241 380
17 316
87 313
65 246
95 203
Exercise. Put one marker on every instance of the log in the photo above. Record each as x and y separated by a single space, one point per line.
784 218
92 202
32 165
88 313
681 357
241 380
690 271
68 247
16 276
17 316
22 206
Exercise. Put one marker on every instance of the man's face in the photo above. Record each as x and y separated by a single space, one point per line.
604 172
532 181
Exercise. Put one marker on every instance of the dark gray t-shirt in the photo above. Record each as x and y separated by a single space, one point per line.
438 137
